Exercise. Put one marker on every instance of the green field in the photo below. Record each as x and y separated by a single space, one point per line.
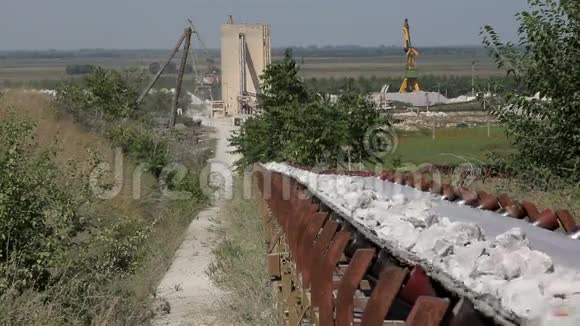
394 66
49 72
33 72
451 146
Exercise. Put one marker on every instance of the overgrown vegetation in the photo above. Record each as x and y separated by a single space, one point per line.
68 257
299 126
54 247
545 131
239 265
38 215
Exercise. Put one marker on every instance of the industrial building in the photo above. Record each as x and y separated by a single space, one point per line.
245 53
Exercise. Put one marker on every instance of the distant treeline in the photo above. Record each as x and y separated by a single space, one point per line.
451 86
310 51
360 51
81 54
170 69
79 69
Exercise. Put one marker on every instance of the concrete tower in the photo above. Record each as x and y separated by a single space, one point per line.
241 69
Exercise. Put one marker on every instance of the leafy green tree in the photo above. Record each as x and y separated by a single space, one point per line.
545 130
103 93
297 126
281 84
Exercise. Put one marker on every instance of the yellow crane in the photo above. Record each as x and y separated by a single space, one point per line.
410 83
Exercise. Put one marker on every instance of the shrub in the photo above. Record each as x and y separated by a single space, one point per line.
296 126
103 93
142 145
106 100
38 215
544 131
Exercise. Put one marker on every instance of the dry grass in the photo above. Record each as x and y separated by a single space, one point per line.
240 265
74 145
127 301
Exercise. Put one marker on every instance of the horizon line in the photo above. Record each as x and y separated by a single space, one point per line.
326 46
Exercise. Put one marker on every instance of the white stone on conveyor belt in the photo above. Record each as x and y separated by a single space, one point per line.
509 268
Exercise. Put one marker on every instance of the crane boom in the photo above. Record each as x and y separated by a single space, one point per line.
407 35
410 83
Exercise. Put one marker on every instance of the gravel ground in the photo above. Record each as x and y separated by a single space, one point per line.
186 292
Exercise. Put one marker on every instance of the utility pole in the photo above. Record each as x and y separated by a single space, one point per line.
473 78
187 34
432 115
485 109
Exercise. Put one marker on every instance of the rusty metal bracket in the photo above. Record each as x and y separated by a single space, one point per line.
419 284
352 277
383 296
304 255
427 311
323 287
317 254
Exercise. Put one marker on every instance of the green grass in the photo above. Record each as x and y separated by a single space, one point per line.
455 146
239 266
450 146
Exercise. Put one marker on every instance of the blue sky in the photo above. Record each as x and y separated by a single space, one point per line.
134 24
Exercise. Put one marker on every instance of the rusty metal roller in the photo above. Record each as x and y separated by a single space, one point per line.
567 221
468 197
448 192
547 220
531 210
419 284
511 208
410 181
387 176
436 188
504 201
424 184
399 179
516 210
487 201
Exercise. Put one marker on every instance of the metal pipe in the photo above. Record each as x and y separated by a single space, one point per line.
243 77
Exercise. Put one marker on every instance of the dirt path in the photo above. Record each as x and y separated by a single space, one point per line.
186 290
